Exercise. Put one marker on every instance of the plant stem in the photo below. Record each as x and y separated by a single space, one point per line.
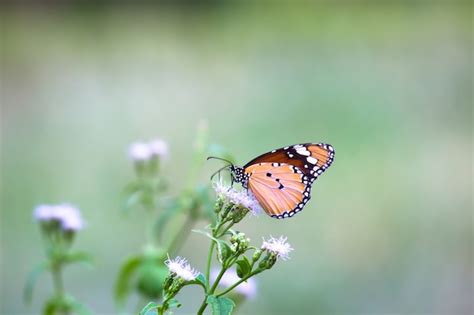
219 277
208 267
58 284
203 306
58 280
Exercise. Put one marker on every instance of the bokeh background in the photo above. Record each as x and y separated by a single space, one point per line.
389 228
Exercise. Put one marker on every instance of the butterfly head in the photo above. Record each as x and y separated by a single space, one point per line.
237 173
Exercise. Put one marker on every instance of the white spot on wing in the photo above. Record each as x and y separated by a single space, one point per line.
303 151
312 160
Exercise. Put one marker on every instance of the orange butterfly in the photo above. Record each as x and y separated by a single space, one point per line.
281 179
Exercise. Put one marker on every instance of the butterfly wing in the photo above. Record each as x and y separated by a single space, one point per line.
281 189
281 179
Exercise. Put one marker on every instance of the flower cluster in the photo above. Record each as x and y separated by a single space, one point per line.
68 216
180 268
278 247
144 151
237 198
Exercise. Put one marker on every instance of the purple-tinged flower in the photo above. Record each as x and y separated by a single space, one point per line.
247 288
243 198
68 216
278 246
158 147
181 268
140 151
43 213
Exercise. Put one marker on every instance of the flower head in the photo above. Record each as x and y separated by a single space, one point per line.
247 288
43 213
68 216
242 198
144 151
139 151
158 147
277 246
181 268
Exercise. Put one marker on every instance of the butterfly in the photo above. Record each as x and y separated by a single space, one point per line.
281 179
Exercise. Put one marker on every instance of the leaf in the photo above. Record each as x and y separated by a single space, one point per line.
243 267
79 308
122 286
79 257
50 307
224 251
201 280
31 280
148 308
220 305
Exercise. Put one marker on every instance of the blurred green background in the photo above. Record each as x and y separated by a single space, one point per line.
389 228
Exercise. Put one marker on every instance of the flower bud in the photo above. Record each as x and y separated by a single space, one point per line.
256 256
239 242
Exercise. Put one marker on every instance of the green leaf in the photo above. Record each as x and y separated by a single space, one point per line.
220 305
31 280
224 251
152 306
50 307
243 267
79 257
79 308
123 286
151 276
201 280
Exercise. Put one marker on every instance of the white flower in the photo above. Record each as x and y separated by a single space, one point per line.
139 151
247 200
247 288
278 246
68 216
244 198
181 268
43 213
222 189
159 147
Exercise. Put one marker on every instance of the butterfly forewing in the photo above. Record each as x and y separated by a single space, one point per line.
281 179
311 158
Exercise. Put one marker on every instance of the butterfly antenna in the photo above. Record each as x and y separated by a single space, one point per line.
218 158
219 171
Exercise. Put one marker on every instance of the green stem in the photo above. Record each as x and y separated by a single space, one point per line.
203 306
219 277
208 267
58 281
58 284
